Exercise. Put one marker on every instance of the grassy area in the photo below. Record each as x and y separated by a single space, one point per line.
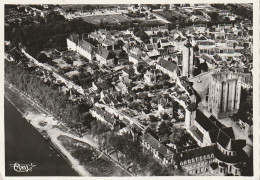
95 163
115 18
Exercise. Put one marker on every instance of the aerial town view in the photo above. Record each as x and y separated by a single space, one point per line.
128 89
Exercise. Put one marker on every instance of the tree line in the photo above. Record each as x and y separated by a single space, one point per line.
47 94
50 34
236 9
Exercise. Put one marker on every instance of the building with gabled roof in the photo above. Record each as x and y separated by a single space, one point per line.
167 67
153 54
81 46
105 57
159 151
86 49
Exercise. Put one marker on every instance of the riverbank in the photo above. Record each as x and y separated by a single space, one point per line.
25 145
44 122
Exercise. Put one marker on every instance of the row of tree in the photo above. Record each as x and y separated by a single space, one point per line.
50 34
236 9
47 94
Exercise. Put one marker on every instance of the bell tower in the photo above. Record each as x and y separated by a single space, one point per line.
187 59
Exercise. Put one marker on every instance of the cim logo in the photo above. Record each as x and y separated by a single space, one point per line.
22 167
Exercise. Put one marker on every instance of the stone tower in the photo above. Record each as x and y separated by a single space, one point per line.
224 94
187 59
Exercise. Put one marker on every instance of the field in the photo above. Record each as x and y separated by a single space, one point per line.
152 23
171 15
112 18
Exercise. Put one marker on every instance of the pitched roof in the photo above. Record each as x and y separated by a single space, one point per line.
231 146
217 132
136 51
203 121
197 152
148 60
167 65
86 46
108 43
164 41
74 38
121 85
157 145
196 132
215 121
127 35
106 54
229 132
226 142
149 46
214 135
205 43
143 63
153 53
200 38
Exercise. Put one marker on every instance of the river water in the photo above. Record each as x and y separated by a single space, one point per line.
25 145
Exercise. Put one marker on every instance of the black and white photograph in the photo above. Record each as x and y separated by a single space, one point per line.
130 90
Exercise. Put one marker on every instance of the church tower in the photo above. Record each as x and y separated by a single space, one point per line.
187 59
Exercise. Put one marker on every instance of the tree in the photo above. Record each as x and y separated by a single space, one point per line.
146 41
146 88
165 77
123 54
154 168
140 67
136 30
53 17
165 116
151 129
227 19
245 111
88 118
42 57
214 16
134 105
83 107
164 129
192 107
165 33
160 34
143 35
153 118
204 67
101 24
120 43
178 135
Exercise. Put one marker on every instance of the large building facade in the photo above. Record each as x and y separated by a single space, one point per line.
224 94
